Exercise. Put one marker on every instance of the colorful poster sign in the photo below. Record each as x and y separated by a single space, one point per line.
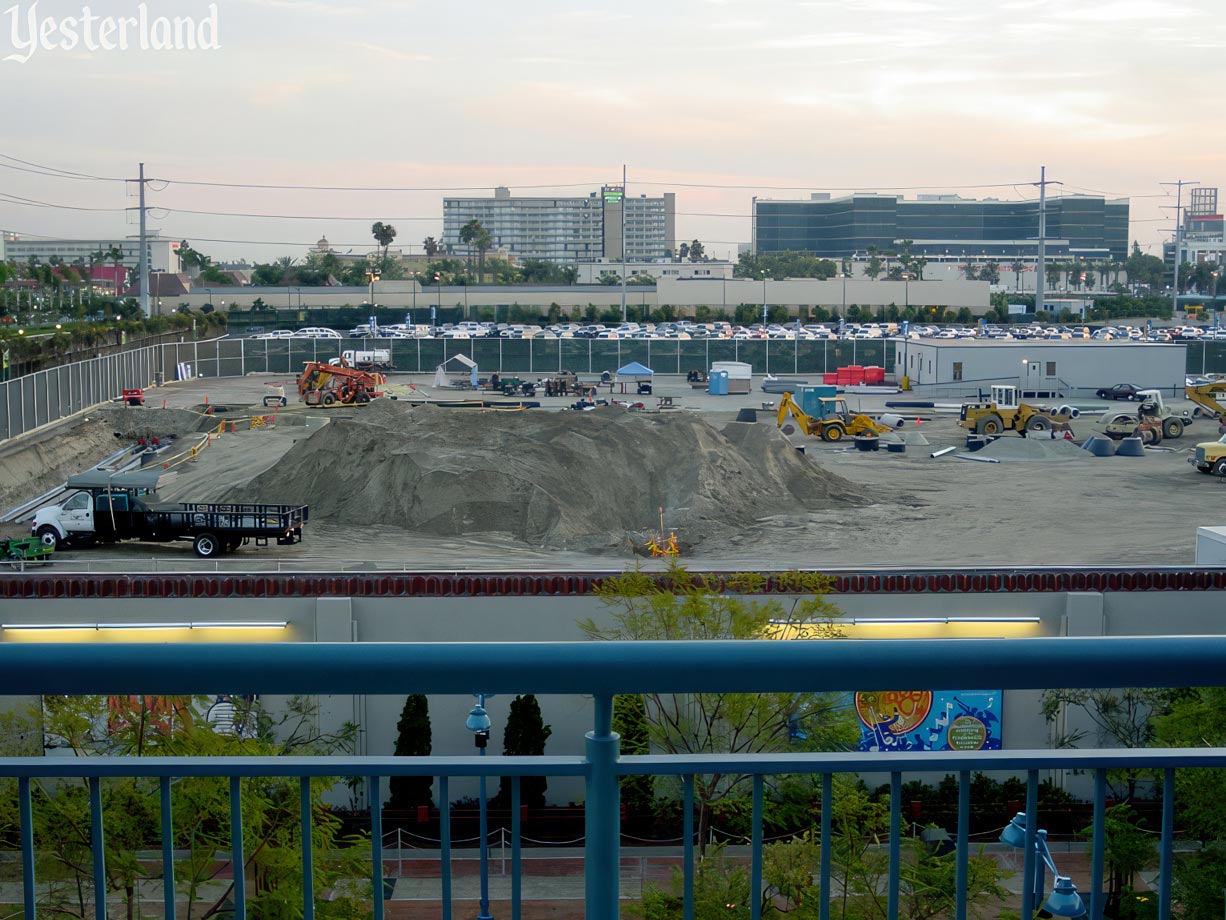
929 720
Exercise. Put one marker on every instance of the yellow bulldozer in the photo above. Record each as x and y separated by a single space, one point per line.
835 422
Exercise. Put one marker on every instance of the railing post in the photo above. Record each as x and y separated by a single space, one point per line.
168 851
96 843
1166 861
964 833
27 847
1099 844
1028 860
602 819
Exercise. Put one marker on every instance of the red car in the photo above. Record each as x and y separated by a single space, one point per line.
1119 391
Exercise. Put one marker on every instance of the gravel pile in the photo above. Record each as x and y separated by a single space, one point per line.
142 421
573 480
1032 449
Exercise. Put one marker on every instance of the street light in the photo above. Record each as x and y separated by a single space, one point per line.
372 275
1064 900
478 722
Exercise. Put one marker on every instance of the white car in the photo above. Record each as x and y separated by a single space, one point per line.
317 332
276 334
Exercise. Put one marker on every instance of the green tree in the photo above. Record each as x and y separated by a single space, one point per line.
1128 850
697 253
525 735
630 722
683 251
875 266
144 726
412 740
1144 270
1123 717
430 245
676 605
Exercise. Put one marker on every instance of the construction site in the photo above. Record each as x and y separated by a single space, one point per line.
422 477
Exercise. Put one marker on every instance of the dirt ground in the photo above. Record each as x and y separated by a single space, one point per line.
915 510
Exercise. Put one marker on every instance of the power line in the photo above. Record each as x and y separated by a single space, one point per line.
369 188
7 198
55 171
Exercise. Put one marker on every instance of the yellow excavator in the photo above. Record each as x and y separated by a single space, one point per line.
1203 394
835 423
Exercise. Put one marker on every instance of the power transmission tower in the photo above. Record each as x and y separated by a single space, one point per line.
144 244
1179 184
1040 280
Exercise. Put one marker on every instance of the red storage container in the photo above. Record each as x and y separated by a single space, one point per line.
874 375
856 373
830 378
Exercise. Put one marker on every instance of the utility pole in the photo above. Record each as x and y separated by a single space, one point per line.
1179 184
1040 280
623 213
144 253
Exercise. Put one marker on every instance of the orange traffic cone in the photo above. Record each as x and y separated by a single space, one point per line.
918 420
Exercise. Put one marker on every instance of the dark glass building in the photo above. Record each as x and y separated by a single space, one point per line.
942 225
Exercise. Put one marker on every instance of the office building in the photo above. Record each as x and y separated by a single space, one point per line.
161 251
942 226
1202 236
568 230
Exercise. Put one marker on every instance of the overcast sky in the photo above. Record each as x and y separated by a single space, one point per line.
782 98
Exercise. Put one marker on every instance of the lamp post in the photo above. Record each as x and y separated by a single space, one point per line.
478 723
764 280
438 279
1064 900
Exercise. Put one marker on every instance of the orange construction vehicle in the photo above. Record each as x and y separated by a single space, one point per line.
331 384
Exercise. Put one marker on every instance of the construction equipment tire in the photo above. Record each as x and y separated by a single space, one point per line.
1037 423
1219 468
993 424
207 546
1172 428
833 433
329 399
362 398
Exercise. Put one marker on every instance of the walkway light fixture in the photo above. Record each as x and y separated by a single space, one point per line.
478 722
1064 900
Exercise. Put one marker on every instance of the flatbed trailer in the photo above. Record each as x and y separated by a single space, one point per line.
111 508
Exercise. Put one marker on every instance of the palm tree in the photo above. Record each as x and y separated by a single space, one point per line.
115 255
383 234
430 244
473 235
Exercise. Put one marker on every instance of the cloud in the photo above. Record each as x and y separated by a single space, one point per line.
903 38
734 25
313 6
1120 11
593 16
393 53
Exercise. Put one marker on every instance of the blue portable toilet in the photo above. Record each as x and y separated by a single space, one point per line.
809 397
717 383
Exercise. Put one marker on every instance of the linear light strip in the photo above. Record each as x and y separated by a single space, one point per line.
203 624
908 621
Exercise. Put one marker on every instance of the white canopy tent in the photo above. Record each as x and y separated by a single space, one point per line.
440 373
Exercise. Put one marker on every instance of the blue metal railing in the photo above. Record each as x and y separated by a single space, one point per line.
602 670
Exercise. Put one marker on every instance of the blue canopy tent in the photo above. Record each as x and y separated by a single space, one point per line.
637 372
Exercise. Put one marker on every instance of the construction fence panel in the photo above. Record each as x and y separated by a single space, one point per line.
634 350
516 356
231 360
46 396
545 356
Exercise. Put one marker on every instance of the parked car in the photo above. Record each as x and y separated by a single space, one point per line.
1119 391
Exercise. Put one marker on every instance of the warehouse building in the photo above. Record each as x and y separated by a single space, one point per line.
1041 369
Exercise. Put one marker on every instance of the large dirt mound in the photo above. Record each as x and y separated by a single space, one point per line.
142 421
559 479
